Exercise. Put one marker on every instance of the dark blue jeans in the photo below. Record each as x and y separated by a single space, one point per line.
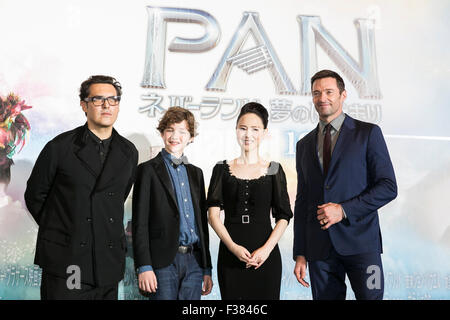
181 280
365 272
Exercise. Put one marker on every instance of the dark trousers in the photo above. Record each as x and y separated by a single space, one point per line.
55 288
365 272
181 280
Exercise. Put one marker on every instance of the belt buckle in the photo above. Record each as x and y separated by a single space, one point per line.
245 218
185 249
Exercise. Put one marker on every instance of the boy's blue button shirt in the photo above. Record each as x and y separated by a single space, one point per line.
180 182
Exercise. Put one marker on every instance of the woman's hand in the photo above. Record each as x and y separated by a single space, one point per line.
242 253
259 256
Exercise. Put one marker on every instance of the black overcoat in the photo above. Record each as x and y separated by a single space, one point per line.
79 206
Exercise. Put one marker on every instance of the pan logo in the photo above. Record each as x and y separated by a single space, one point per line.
363 74
252 60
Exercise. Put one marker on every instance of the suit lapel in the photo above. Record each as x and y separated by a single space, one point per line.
342 141
313 149
114 162
195 193
164 177
192 176
87 153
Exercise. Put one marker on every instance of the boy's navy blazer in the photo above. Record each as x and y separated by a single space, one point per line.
156 221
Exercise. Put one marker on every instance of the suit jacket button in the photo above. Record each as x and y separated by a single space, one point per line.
110 194
327 187
111 220
110 245
89 219
83 244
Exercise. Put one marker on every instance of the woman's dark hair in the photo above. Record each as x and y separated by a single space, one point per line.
256 108
84 88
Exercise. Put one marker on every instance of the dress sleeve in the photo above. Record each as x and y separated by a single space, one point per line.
215 197
281 207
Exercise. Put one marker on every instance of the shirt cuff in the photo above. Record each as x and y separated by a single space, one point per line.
144 268
343 211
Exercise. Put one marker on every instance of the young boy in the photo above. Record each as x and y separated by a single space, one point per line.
170 228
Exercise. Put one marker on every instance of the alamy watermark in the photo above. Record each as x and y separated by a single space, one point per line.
374 280
74 280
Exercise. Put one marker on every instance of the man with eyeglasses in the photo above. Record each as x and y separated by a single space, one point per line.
76 194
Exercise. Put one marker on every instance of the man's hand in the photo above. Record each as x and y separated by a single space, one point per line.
147 281
207 285
300 270
329 214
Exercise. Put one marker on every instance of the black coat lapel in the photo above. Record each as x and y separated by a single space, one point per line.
195 193
115 161
163 175
87 152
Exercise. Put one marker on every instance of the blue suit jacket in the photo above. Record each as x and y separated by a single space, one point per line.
360 178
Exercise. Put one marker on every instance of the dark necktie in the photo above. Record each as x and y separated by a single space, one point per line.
327 149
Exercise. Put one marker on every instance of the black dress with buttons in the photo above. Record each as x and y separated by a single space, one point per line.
247 205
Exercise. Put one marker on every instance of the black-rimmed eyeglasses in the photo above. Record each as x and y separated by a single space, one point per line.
99 101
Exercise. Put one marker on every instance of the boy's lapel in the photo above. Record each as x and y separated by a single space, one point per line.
163 175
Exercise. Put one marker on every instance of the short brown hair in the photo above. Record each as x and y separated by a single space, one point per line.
329 74
177 115
84 88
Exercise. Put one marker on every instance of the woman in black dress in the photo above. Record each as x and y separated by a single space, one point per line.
247 188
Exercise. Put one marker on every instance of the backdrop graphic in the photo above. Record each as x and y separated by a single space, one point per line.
213 56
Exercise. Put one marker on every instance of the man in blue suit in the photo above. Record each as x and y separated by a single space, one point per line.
344 176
